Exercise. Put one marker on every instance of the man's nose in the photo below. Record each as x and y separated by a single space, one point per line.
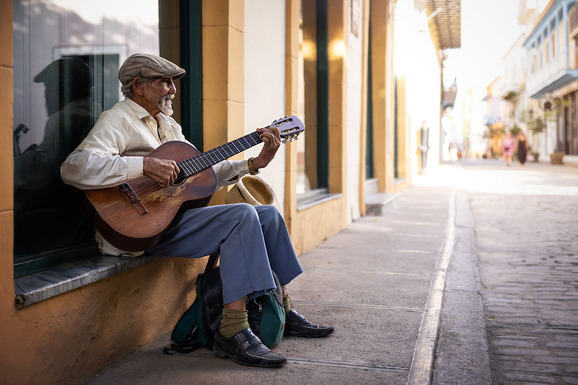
172 87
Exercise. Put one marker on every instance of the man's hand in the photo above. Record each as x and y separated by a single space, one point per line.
163 171
272 141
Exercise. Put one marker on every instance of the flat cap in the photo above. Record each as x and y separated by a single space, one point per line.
145 65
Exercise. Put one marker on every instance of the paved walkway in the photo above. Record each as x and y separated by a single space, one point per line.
371 282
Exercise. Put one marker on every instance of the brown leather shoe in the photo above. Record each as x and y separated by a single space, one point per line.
296 325
246 348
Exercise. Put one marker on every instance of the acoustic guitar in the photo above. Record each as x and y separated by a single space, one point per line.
134 215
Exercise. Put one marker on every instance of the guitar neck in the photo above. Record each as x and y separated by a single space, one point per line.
207 159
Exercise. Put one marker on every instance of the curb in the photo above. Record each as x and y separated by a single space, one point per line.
462 355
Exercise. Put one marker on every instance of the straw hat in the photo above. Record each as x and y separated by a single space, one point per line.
253 190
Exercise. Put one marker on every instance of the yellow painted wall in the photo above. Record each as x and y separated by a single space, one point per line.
223 75
364 100
292 9
71 336
383 97
403 127
316 224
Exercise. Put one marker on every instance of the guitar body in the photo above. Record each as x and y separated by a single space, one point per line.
135 222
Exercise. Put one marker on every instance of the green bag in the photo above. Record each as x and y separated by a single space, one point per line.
267 315
199 323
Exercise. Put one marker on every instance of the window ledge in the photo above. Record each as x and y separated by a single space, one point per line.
37 287
314 198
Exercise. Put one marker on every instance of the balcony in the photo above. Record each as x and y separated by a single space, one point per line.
557 72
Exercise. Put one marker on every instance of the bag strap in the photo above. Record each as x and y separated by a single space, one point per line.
186 335
213 259
183 340
187 322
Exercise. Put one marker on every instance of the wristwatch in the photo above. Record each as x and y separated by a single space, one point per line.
251 166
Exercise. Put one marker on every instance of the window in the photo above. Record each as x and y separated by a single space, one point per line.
66 58
313 148
369 170
541 54
553 42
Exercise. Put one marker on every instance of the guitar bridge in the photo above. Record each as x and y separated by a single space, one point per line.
133 198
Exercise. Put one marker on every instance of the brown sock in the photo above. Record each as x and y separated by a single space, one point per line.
233 322
286 304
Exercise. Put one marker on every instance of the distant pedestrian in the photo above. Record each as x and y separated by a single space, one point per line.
522 148
508 144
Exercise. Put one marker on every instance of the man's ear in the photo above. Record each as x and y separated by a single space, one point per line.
138 86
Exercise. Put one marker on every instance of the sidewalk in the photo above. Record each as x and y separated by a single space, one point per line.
380 283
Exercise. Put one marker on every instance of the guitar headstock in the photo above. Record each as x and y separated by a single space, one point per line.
289 127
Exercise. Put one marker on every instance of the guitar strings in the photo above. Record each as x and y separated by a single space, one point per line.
207 159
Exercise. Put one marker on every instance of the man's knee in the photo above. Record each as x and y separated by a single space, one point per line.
266 214
243 211
269 214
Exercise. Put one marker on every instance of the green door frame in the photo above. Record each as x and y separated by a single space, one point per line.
192 61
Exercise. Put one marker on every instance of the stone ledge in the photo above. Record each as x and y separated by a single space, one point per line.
315 199
37 287
380 204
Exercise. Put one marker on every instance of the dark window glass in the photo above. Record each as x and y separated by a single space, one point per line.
313 147
66 58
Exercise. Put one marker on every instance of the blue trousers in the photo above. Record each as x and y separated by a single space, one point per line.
251 241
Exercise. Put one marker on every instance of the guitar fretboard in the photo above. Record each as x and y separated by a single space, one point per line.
207 159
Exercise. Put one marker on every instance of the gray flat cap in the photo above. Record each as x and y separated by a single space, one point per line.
148 66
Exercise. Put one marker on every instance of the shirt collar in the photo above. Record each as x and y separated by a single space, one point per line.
138 110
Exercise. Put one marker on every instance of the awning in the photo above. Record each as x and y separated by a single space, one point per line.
447 18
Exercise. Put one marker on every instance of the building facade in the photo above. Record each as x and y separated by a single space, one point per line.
552 75
66 312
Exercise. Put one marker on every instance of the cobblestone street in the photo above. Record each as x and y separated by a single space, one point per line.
527 247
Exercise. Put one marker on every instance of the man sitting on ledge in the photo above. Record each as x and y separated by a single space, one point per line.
251 240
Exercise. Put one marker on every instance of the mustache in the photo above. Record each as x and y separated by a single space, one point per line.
167 97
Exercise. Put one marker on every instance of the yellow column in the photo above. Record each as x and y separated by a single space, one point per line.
223 74
291 105
382 77
6 163
363 122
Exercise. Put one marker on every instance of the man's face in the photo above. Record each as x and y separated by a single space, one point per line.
158 95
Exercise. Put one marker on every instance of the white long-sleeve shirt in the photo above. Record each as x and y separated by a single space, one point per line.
112 153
